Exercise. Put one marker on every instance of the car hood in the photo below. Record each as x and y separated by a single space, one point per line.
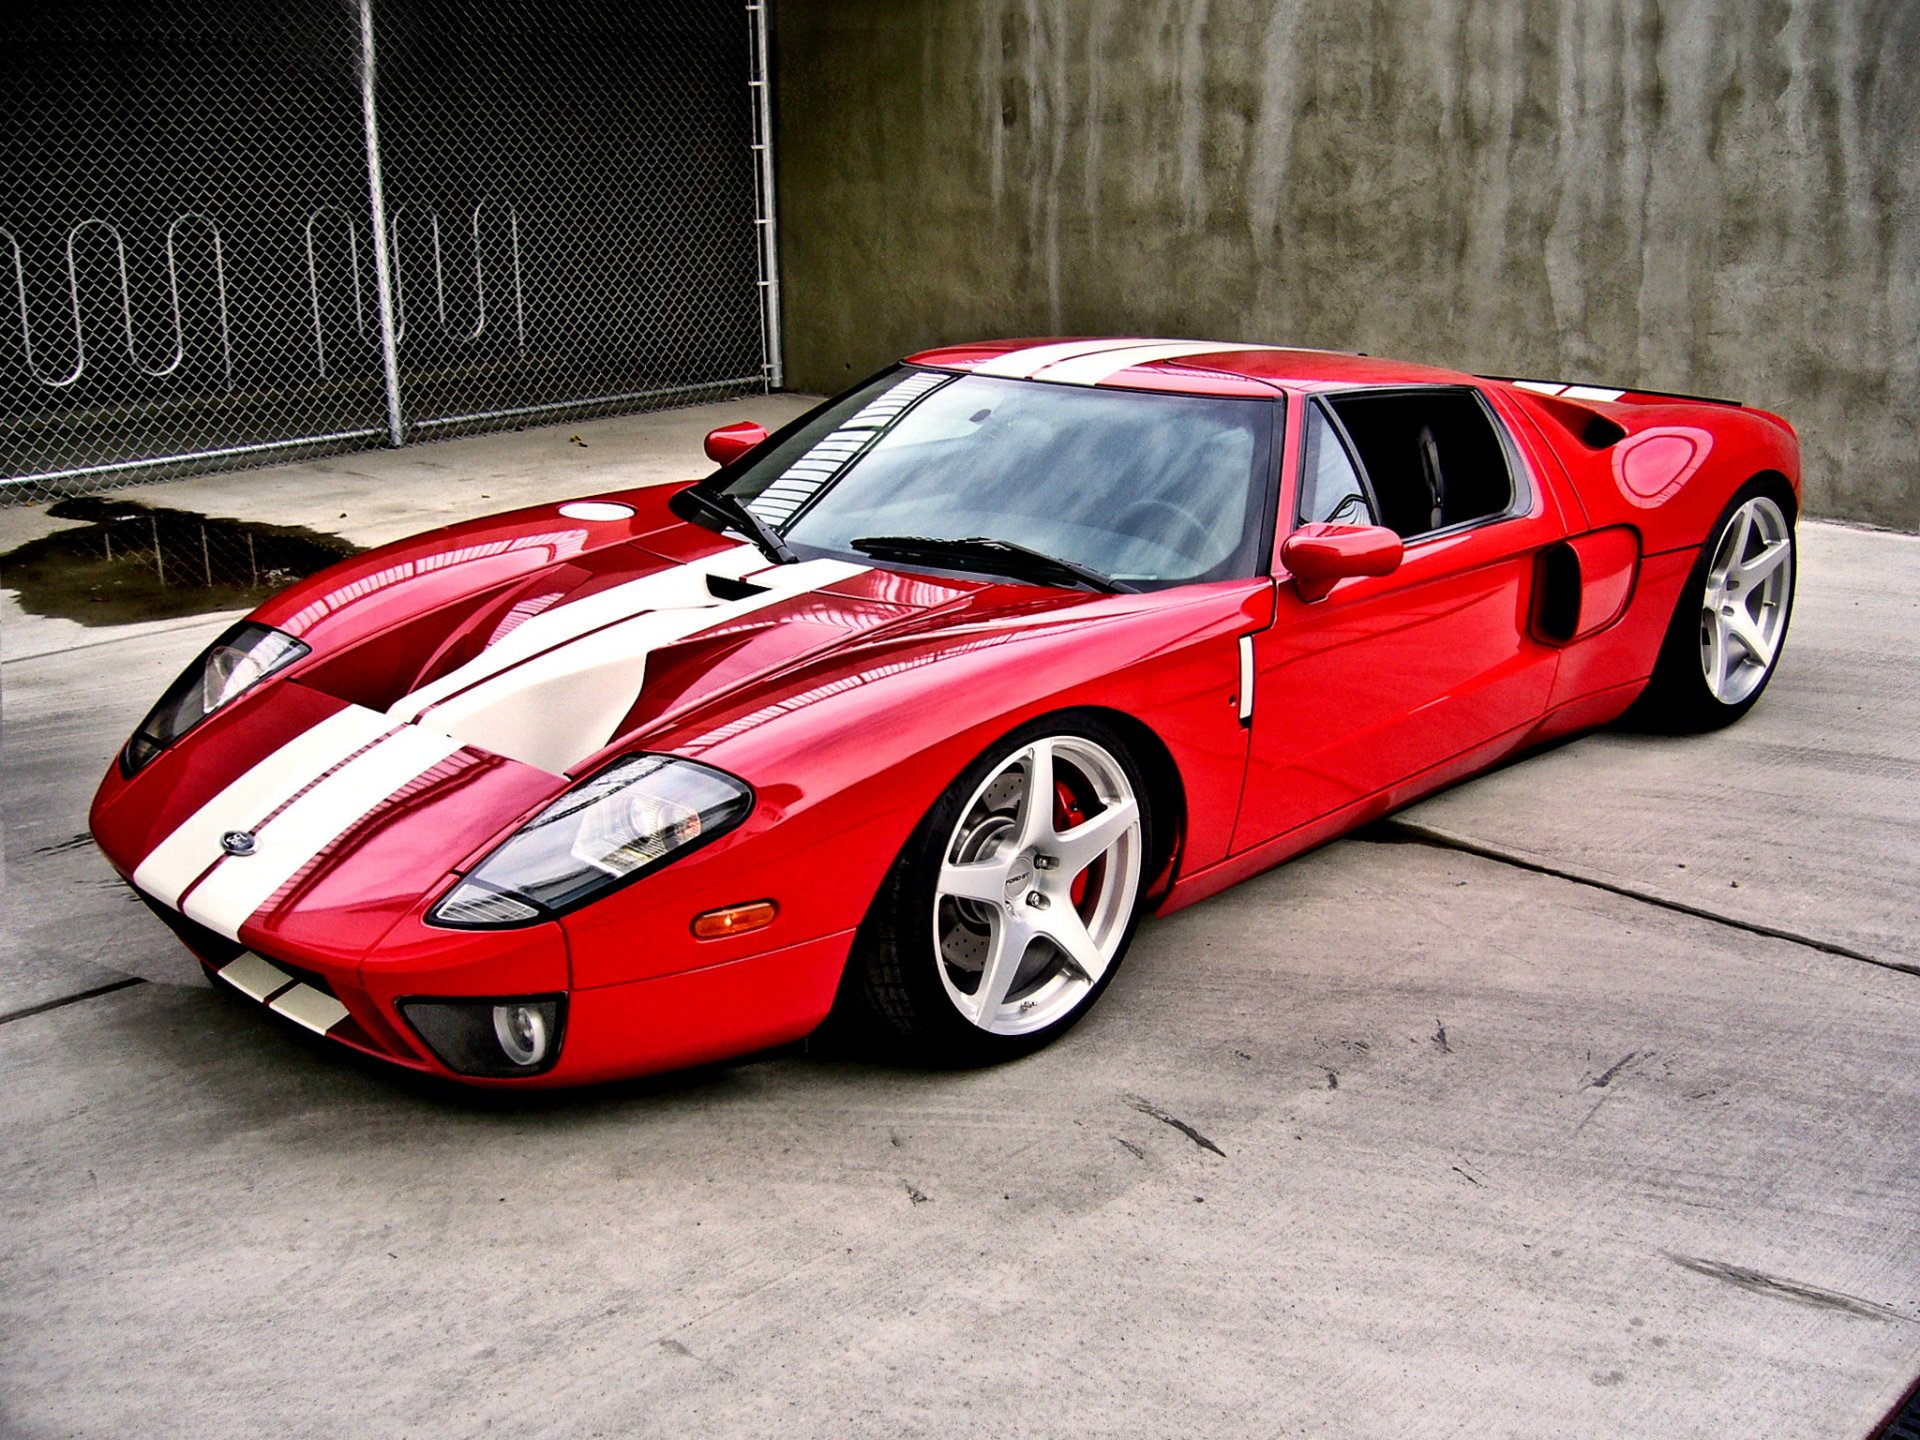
591 653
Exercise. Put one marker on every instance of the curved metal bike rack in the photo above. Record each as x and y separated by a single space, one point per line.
126 301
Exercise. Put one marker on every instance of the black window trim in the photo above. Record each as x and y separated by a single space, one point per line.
1345 441
1523 485
1276 443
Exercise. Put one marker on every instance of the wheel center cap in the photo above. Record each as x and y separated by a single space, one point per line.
1018 878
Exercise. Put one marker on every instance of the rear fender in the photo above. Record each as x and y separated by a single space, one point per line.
1664 467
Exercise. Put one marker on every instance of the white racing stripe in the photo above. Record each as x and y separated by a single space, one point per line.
240 885
1569 392
566 693
278 991
177 861
678 587
1105 364
1020 364
548 694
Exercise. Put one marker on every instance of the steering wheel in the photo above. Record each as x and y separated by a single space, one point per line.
1190 526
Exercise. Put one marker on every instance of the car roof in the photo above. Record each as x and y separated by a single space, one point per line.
1191 367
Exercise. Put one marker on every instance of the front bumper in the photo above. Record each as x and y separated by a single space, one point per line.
638 1027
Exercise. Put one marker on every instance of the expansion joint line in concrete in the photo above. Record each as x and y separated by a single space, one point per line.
1395 831
94 993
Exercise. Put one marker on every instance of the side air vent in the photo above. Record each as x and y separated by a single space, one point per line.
1556 595
1583 585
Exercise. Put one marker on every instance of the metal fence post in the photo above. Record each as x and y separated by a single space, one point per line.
382 263
761 82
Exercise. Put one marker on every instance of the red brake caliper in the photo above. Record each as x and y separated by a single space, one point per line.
1066 814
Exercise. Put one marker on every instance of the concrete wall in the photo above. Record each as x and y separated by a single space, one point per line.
1720 196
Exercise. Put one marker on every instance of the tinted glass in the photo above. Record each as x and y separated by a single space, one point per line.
1330 487
1151 489
1432 455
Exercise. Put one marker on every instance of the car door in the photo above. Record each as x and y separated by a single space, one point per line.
1391 683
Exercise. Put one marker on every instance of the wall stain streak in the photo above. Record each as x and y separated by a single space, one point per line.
1719 196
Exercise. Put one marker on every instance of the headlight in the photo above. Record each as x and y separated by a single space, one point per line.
629 819
232 665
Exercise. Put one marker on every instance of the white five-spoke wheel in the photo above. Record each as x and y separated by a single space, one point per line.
1037 886
1731 622
1016 898
1749 590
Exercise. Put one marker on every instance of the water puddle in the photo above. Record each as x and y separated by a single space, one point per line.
139 562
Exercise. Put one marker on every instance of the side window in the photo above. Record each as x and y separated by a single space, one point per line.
1433 457
1330 488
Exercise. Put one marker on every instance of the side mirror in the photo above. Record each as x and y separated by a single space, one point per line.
730 442
1320 556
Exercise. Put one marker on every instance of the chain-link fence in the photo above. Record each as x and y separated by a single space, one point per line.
239 232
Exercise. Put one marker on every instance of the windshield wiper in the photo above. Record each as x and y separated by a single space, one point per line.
719 506
981 552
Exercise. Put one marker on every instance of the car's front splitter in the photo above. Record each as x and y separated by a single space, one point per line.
312 1002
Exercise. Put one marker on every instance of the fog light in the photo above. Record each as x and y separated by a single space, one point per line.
492 1037
734 920
522 1033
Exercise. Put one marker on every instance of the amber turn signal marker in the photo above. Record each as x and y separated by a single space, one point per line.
734 920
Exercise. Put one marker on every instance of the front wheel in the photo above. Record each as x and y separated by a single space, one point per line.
1014 901
1731 622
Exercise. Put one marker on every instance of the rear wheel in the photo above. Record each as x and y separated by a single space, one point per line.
1731 622
1015 899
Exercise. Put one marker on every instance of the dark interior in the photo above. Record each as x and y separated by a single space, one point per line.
1432 456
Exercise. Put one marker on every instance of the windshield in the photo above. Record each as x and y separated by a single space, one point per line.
1150 489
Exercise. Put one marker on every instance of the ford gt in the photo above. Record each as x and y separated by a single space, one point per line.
910 711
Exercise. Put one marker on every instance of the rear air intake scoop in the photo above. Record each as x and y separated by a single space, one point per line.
1582 422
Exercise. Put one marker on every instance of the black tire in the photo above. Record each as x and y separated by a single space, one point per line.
1682 697
906 976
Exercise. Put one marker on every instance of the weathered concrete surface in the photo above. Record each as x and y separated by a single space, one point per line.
1496 1153
1711 196
1589 1170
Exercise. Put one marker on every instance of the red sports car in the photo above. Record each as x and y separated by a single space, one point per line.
916 706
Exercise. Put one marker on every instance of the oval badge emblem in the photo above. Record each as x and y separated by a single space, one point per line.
237 842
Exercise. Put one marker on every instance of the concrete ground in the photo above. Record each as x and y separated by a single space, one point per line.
1577 1101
